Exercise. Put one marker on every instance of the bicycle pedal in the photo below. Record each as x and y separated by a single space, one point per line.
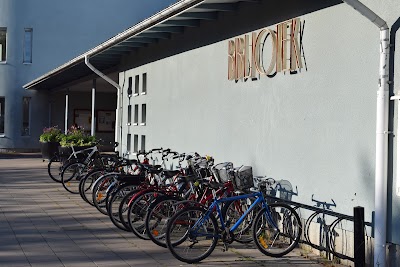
225 247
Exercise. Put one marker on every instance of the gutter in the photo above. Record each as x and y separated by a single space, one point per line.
382 117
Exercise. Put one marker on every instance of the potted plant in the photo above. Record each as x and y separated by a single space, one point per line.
50 141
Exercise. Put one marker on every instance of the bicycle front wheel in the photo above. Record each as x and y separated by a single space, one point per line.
191 236
277 231
54 168
158 216
137 213
72 175
233 210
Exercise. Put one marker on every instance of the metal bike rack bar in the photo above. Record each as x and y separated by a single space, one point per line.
359 229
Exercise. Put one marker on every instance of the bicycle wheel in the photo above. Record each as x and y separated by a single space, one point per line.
277 231
159 213
54 168
124 207
99 192
71 176
86 185
233 210
113 205
137 213
192 237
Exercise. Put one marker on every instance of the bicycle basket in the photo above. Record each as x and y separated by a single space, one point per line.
243 177
223 171
199 166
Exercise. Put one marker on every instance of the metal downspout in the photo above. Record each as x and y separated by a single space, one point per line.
110 81
382 114
66 112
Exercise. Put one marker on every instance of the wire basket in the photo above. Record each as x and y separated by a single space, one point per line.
243 178
199 167
223 171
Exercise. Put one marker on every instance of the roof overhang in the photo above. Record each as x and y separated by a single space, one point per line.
106 56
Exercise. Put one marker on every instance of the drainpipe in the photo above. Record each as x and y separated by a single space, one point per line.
66 112
382 113
92 123
116 85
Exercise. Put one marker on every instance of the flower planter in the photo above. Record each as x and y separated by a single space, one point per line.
49 149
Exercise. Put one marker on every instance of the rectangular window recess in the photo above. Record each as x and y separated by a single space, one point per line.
136 143
137 84
3 45
143 124
143 143
27 49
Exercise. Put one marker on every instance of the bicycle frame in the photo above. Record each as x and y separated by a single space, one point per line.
215 206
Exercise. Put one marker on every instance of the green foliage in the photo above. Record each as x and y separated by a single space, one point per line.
51 134
76 137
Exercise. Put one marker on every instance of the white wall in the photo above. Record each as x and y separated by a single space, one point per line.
315 128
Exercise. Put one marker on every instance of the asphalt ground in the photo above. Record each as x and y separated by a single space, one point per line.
41 224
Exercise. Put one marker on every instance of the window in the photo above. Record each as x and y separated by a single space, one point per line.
3 44
2 111
26 116
129 114
136 115
143 114
144 83
130 87
128 143
137 85
28 35
143 143
135 143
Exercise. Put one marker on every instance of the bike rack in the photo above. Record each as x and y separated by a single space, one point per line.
329 230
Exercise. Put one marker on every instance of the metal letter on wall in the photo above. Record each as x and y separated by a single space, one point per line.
231 60
257 55
295 56
246 60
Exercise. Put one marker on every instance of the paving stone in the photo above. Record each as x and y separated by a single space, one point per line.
41 224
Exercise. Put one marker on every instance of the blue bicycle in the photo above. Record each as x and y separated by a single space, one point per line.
193 233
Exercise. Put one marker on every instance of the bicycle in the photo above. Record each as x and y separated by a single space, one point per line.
192 234
73 172
59 161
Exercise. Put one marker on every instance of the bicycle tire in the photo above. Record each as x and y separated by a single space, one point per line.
124 207
137 213
159 213
279 239
113 205
71 176
99 194
86 185
54 168
232 211
187 246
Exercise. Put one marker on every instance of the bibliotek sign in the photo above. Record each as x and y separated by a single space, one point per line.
247 59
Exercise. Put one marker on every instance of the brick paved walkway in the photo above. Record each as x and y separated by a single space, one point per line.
41 224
